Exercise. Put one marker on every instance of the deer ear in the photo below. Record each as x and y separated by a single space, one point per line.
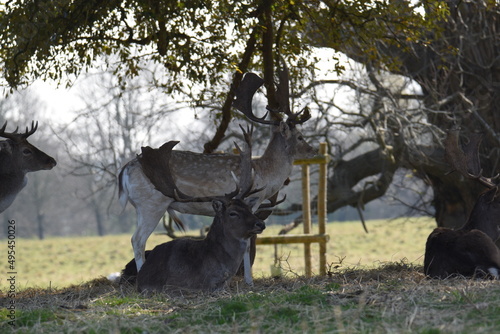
5 147
285 130
218 206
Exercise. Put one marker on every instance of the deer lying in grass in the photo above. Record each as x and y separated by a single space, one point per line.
210 174
205 264
209 263
18 157
469 251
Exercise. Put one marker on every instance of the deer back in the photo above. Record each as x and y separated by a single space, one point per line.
460 252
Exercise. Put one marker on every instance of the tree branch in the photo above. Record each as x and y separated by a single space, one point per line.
211 145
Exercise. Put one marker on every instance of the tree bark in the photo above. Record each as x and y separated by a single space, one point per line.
212 145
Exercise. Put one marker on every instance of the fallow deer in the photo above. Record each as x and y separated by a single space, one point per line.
210 174
202 264
471 250
18 157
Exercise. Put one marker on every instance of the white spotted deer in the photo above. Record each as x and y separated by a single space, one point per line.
210 174
18 157
469 251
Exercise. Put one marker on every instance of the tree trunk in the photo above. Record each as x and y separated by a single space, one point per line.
99 221
459 73
40 219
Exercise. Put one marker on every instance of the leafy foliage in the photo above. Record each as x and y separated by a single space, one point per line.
58 39
197 41
448 47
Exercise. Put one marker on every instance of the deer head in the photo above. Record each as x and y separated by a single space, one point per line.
19 155
295 143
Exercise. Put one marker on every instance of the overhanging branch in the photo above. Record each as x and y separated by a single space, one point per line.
211 145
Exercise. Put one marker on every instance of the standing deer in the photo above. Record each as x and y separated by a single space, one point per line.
201 264
18 157
210 174
470 250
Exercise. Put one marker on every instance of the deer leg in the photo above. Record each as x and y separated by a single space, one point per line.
247 264
147 220
494 272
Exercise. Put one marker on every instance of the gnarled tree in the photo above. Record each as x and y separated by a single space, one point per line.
454 55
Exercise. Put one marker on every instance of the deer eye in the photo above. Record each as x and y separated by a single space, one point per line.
27 151
300 138
233 214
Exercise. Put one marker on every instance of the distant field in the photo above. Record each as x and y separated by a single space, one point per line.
60 262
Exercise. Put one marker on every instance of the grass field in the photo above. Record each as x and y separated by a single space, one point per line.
375 285
59 262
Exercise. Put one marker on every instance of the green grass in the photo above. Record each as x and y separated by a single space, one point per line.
393 298
59 262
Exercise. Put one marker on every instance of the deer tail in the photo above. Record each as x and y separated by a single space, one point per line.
122 187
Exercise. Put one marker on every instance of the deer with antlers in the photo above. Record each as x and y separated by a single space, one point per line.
469 251
18 157
205 264
210 174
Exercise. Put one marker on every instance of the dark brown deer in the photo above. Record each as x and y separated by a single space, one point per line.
209 263
18 157
205 264
469 251
210 174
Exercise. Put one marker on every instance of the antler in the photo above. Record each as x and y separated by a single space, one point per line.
283 93
283 88
244 94
283 97
34 126
246 168
18 136
466 161
273 201
252 82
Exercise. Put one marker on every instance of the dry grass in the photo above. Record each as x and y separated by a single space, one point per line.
395 298
375 285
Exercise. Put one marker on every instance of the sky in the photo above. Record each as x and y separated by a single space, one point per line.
63 102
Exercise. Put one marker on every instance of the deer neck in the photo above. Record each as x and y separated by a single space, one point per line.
485 215
10 186
487 226
278 155
227 246
8 165
12 179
